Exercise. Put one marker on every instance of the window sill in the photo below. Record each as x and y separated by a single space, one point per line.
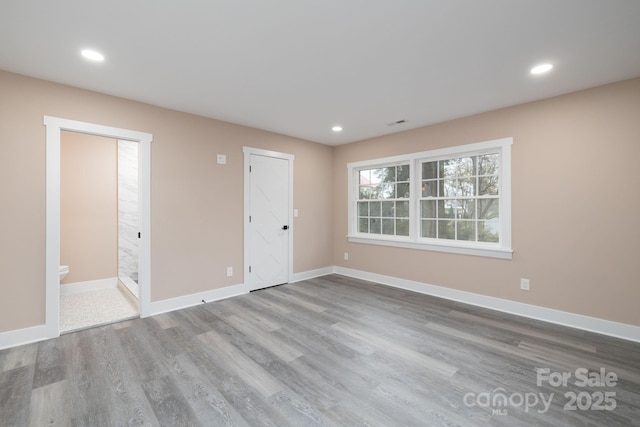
491 251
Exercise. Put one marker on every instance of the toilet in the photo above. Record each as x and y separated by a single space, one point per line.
64 270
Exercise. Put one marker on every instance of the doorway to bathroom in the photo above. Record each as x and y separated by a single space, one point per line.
56 128
99 227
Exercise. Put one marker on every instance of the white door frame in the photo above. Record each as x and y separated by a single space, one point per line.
248 151
54 126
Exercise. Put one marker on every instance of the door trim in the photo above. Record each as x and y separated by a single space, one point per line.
54 126
248 152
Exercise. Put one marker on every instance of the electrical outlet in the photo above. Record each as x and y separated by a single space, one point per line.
524 284
229 271
222 159
346 256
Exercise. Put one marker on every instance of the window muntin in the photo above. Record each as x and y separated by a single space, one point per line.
383 200
460 198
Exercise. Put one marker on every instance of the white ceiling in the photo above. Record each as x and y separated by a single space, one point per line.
299 67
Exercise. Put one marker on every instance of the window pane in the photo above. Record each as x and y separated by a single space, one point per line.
489 231
467 187
365 193
488 208
428 228
428 209
402 227
466 230
446 229
374 225
430 189
448 188
403 172
388 191
403 190
430 170
447 169
461 167
363 225
376 176
365 177
388 226
488 186
388 174
445 209
402 209
465 166
459 207
466 209
387 209
488 164
374 208
363 208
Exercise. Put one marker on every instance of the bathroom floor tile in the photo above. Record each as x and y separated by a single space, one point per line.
95 307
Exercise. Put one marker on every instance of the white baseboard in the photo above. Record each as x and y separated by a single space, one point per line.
591 324
40 333
185 301
619 330
89 285
23 336
306 275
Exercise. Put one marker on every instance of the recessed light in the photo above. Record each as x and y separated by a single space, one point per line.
92 55
542 68
337 128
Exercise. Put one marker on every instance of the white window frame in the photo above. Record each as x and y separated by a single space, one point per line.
502 249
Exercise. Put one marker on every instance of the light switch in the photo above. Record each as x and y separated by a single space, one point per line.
222 159
295 212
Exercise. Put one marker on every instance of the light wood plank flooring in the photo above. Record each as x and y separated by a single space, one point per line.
331 351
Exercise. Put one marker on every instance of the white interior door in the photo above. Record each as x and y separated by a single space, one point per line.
269 227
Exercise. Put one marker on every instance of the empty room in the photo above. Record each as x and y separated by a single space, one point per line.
331 213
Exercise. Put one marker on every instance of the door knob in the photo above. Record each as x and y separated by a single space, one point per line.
285 227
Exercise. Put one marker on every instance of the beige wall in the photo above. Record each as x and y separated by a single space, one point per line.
576 153
196 204
88 207
575 204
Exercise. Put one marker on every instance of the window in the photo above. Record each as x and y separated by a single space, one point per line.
460 198
383 200
454 200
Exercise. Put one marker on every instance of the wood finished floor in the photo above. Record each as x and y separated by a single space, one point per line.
329 351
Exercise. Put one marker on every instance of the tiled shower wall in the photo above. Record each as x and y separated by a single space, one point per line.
128 215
